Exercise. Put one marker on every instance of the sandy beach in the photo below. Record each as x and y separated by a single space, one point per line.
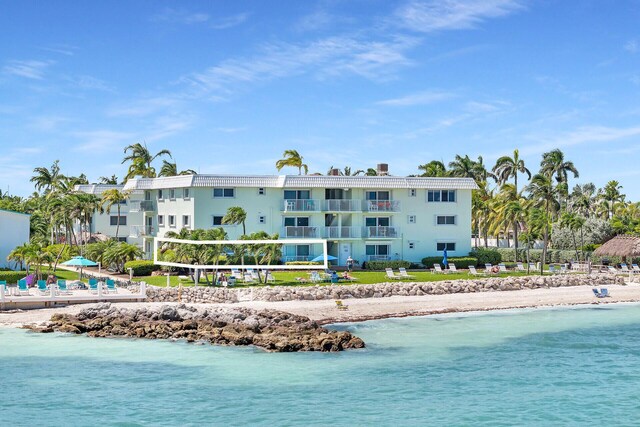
325 311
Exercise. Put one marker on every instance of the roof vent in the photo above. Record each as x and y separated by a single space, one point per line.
382 169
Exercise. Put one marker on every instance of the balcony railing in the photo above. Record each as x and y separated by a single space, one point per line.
300 205
343 205
381 232
378 257
310 232
290 258
382 205
342 232
140 230
142 206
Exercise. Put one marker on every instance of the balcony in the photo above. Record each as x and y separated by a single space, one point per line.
342 205
142 206
342 233
300 232
300 205
382 205
381 232
136 231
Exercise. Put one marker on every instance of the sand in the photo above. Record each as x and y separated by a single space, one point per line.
325 311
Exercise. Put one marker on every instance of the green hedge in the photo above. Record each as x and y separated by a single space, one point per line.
486 256
141 267
302 263
12 276
460 262
381 265
535 255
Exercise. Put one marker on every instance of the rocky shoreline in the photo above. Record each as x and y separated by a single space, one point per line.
271 330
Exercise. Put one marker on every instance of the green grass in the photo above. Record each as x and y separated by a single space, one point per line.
288 278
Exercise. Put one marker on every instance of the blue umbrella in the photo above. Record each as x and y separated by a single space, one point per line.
444 258
320 258
80 261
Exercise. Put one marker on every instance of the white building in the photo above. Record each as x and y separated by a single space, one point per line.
365 217
14 229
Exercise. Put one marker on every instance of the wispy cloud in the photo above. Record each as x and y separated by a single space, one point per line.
323 58
62 49
30 69
167 126
48 123
102 139
180 16
231 130
582 135
229 21
436 15
632 46
420 98
90 83
143 107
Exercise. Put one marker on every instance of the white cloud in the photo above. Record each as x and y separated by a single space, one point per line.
231 130
102 139
420 98
632 46
90 83
582 135
62 49
435 15
167 126
180 16
229 21
143 107
48 123
30 69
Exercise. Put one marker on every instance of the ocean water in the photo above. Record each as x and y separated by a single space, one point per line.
578 366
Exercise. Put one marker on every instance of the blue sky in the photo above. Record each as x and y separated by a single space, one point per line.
228 86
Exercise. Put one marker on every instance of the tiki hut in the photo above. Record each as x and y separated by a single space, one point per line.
621 246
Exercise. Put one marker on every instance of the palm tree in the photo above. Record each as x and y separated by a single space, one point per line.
114 197
463 167
141 160
553 164
543 193
171 169
611 194
434 168
236 215
583 199
292 158
507 167
371 172
112 180
346 172
49 179
19 254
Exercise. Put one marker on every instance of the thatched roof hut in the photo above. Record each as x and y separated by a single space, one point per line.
622 246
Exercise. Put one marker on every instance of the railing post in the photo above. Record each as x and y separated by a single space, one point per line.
2 290
99 289
143 289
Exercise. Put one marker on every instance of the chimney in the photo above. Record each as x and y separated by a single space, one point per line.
334 172
382 169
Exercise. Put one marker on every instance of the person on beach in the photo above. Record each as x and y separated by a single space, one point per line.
51 280
349 263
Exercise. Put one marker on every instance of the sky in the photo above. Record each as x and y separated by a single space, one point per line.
227 86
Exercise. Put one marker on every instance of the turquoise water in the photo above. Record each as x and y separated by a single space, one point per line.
577 366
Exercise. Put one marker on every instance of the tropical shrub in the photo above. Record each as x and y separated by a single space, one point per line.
302 263
12 276
594 231
68 251
141 267
460 262
381 265
535 255
486 256
117 255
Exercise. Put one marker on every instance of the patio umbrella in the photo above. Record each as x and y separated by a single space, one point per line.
444 258
320 258
80 261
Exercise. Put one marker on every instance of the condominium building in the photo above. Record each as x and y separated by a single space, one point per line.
363 217
14 229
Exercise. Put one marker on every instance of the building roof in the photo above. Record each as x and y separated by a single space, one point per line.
300 181
14 212
623 246
98 189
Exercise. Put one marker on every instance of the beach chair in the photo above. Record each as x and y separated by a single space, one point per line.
93 286
111 286
62 287
23 288
452 268
403 273
604 292
488 268
341 306
520 267
3 284
269 276
503 268
474 272
532 267
597 293
42 287
437 269
611 269
236 273
315 277
635 268
552 269
624 268
390 274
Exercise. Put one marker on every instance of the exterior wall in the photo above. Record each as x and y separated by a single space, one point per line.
14 229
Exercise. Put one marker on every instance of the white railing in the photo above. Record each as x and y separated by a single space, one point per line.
300 205
382 205
140 230
381 232
378 257
299 232
142 206
342 232
343 205
292 258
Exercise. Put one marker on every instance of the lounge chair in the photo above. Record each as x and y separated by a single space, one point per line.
624 268
604 292
564 269
532 267
488 268
111 286
3 285
597 293
315 277
93 286
474 272
552 269
391 274
437 269
635 268
42 287
403 273
62 287
503 268
611 269
23 288
269 276
520 267
341 306
452 268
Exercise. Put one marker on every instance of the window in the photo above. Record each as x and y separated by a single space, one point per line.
114 220
262 219
412 192
172 194
261 191
160 220
377 251
185 220
122 239
412 245
224 192
185 193
446 220
300 221
217 220
147 195
123 202
441 195
441 246
302 250
160 195
377 221
172 220
297 194
411 219
378 195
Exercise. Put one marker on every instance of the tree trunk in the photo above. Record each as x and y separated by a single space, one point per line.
546 237
118 222
515 239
